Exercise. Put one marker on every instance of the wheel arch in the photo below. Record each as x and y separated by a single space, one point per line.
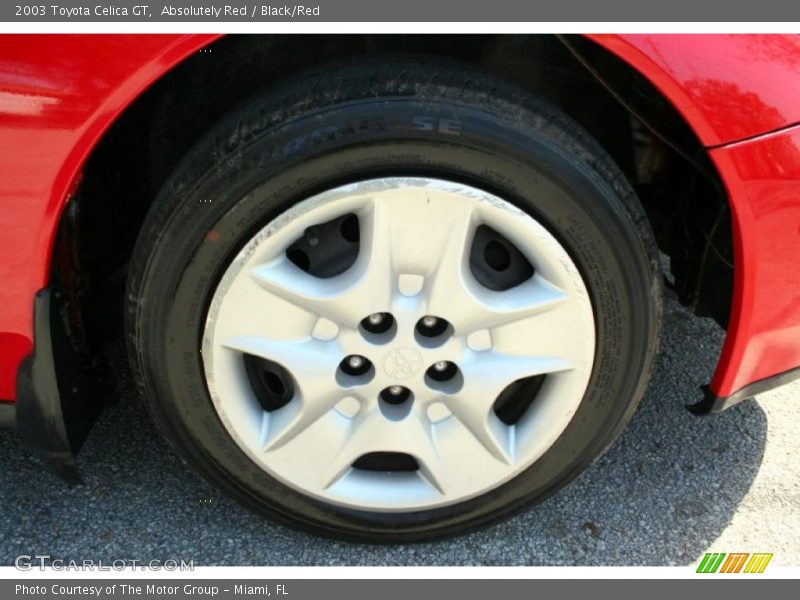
191 90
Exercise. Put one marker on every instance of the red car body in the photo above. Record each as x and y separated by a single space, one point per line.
60 94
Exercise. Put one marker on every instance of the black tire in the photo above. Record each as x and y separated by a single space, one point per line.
359 121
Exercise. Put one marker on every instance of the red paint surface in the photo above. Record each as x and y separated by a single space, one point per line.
59 93
727 87
764 334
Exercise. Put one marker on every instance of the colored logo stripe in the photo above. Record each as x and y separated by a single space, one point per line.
758 563
734 562
710 562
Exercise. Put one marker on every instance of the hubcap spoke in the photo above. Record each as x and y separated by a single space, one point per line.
313 367
312 363
286 426
485 427
418 230
343 299
486 375
471 307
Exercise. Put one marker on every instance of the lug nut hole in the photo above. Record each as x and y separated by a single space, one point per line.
443 370
395 394
355 365
377 323
431 326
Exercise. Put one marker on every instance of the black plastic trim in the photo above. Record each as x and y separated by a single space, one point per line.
711 403
56 401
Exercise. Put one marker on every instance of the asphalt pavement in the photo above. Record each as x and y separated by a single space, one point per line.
673 487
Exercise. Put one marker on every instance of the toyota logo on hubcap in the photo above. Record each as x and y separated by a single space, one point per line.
402 363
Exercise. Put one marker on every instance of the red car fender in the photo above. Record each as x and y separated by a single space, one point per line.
763 339
58 95
739 94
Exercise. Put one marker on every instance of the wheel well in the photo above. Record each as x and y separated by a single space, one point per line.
683 198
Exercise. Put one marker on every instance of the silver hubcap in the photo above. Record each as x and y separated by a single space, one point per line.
431 399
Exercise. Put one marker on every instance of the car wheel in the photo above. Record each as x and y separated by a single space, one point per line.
394 301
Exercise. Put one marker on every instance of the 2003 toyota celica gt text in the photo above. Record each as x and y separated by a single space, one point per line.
389 288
